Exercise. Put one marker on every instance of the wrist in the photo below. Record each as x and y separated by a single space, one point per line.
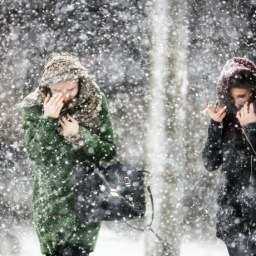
46 115
76 140
216 123
71 134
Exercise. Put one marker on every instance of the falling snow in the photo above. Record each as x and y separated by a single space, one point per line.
158 62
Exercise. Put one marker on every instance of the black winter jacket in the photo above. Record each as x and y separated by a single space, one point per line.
227 146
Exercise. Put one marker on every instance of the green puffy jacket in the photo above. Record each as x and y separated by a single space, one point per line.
53 159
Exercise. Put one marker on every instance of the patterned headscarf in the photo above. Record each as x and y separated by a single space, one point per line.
62 67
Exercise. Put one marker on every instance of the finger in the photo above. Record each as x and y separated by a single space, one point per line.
247 107
215 108
58 103
204 111
238 115
63 119
241 111
244 110
53 99
71 118
223 115
222 110
47 98
58 98
241 114
59 106
251 108
61 123
56 95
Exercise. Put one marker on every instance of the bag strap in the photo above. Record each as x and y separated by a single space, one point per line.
149 227
252 181
248 140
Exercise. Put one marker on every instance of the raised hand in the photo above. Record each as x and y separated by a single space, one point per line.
217 113
53 105
70 126
246 115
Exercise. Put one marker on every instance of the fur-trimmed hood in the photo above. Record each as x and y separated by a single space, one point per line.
233 68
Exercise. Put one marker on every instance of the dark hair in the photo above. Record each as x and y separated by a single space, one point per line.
243 79
45 90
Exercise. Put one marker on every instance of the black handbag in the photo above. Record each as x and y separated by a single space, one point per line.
115 192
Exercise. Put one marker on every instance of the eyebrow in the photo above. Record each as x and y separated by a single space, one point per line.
241 95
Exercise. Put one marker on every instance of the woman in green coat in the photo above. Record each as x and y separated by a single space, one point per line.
66 123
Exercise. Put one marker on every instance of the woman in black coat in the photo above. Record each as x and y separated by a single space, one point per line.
231 144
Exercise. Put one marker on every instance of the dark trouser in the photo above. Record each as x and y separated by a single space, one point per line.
70 251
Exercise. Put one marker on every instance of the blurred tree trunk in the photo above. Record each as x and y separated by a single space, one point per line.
166 124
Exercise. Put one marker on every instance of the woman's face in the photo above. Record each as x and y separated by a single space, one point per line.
240 96
69 89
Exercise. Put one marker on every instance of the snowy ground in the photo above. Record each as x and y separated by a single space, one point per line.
112 243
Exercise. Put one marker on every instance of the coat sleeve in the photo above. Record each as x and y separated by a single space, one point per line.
99 146
250 132
212 152
42 141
